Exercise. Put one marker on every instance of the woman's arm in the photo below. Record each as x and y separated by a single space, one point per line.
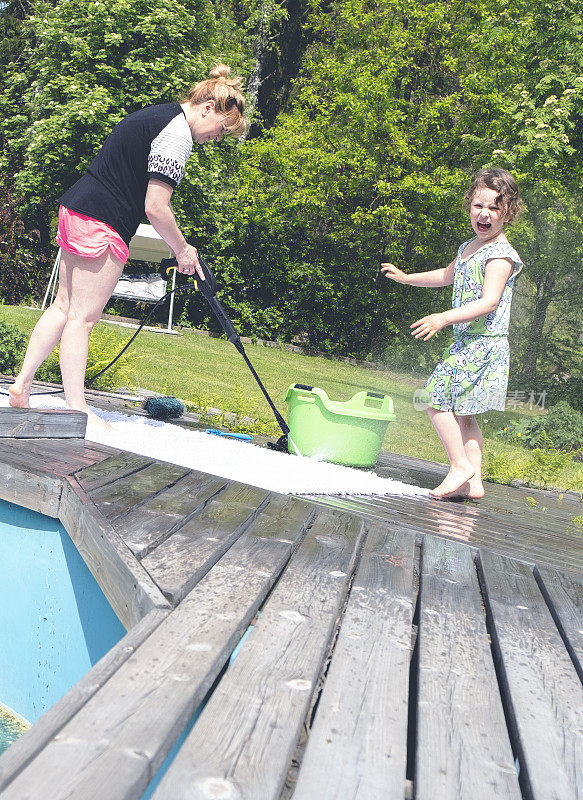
498 270
433 278
160 213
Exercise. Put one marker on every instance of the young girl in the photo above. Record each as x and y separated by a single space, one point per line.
473 375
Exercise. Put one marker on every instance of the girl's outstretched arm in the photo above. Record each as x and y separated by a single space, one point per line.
498 270
434 278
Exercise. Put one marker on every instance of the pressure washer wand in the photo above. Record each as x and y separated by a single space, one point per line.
280 420
208 288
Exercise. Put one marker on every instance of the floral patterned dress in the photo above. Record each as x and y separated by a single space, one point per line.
473 374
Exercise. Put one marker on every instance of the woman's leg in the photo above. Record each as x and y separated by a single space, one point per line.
43 340
473 445
447 427
91 282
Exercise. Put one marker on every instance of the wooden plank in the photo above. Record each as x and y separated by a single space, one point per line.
530 511
543 693
34 423
161 516
553 506
564 596
22 752
460 518
410 470
357 747
463 747
99 451
114 745
115 499
37 492
110 470
77 453
182 559
244 740
457 521
47 456
40 456
398 465
126 584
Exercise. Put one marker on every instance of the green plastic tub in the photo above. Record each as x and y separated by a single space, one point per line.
349 433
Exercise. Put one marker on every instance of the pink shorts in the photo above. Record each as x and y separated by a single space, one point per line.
88 237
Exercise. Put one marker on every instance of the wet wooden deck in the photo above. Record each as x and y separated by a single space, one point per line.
400 647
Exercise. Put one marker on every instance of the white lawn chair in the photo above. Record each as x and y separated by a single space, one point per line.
146 245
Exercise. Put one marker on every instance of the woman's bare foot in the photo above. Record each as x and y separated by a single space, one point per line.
453 481
94 422
19 394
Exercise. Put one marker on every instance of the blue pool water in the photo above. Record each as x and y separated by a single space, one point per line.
55 622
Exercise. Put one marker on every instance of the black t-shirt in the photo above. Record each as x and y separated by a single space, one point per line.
152 143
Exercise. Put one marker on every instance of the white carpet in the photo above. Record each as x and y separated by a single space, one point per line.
231 458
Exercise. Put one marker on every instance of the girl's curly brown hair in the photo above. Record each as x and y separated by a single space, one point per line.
502 182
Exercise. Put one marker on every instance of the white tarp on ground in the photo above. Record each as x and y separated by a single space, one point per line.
231 458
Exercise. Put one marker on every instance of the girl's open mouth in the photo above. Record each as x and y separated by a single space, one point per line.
484 226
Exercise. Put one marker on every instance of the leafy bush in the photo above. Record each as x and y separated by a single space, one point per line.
560 429
542 469
49 370
520 432
501 469
12 347
104 345
568 390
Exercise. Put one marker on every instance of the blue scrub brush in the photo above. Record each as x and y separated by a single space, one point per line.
164 407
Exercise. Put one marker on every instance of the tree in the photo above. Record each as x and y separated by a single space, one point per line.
15 277
393 104
83 66
544 148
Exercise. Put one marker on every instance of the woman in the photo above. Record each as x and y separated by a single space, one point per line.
136 170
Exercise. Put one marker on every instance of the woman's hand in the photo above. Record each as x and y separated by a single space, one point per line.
426 327
394 273
160 213
188 262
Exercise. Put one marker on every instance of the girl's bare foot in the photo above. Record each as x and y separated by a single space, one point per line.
472 489
453 481
18 395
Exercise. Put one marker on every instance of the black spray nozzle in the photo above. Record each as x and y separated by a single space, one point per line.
208 287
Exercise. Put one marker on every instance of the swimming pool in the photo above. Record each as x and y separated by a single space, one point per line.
55 622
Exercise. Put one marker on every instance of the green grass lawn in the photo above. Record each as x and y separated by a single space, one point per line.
206 372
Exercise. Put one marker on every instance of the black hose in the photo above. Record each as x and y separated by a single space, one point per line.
208 288
124 348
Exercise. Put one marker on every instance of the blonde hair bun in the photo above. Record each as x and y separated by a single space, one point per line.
220 71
